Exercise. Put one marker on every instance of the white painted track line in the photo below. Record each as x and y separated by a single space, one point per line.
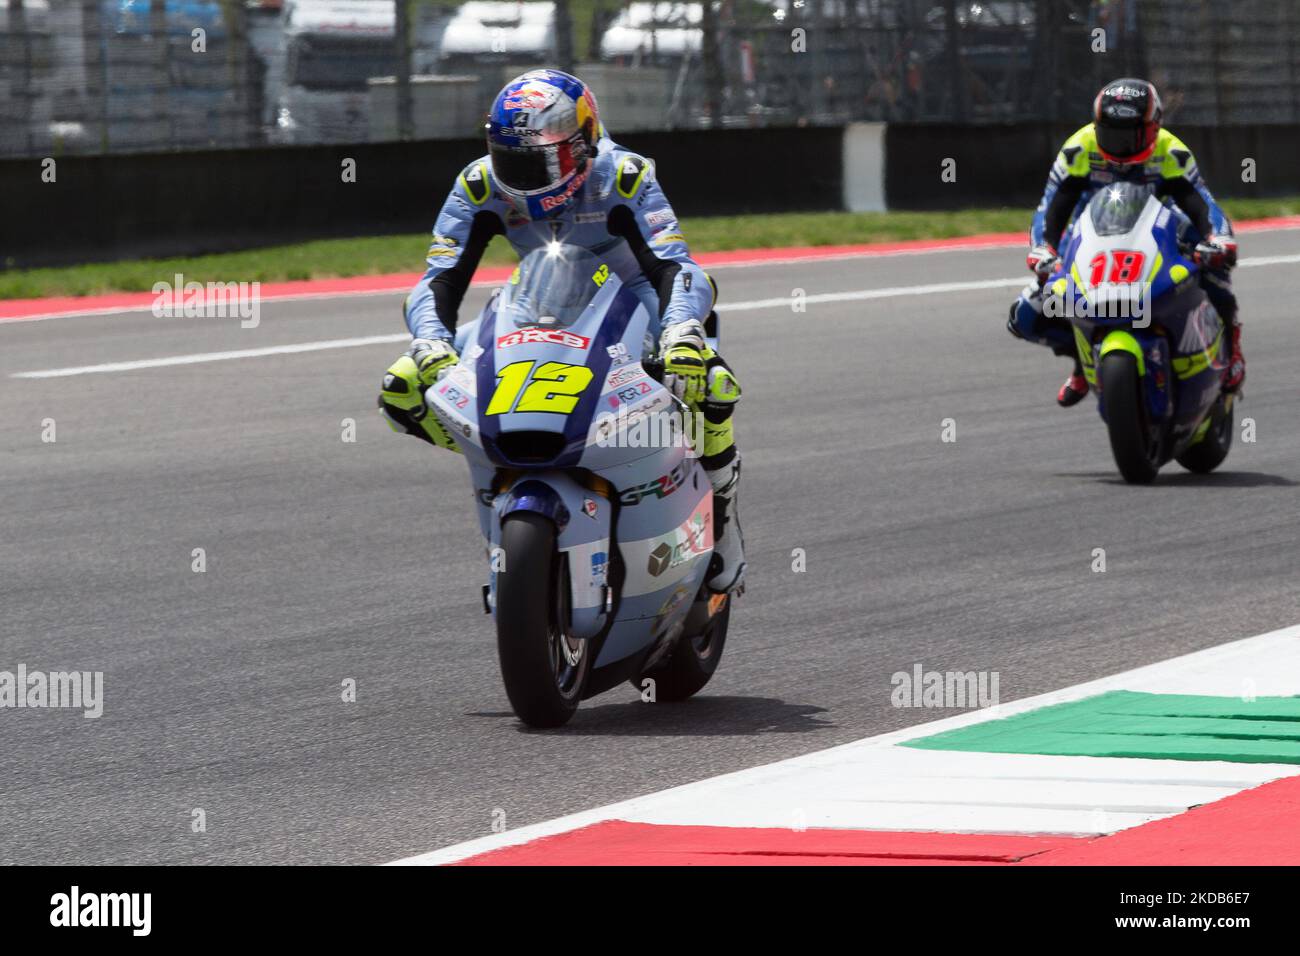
857 295
201 357
785 302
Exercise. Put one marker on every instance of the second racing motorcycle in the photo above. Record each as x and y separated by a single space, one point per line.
1150 342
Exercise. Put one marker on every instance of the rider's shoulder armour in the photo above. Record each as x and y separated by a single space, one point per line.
1079 151
1175 158
631 173
476 181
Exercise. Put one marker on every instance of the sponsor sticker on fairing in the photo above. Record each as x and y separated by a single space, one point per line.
624 375
464 376
562 337
629 393
454 395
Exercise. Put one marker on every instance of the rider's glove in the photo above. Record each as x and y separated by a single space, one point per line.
1216 252
1042 260
433 358
695 373
685 357
401 396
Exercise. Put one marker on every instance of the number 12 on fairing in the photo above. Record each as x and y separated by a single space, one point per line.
550 387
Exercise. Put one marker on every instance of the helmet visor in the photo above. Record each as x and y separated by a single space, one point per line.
527 169
524 168
1122 142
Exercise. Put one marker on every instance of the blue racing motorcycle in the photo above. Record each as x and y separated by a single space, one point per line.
597 513
1150 342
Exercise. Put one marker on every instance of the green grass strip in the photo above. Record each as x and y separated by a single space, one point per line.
378 255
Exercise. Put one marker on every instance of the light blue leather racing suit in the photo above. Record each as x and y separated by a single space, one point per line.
620 213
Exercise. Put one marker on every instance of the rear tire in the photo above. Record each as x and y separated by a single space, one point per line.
1208 454
691 663
544 671
1130 440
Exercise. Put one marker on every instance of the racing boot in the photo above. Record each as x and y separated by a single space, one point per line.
727 566
721 461
1236 374
1218 254
1075 388
701 379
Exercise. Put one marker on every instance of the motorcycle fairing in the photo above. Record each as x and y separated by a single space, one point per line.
614 588
1181 353
603 323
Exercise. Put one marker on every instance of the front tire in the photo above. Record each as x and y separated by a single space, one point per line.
544 671
1208 453
1131 443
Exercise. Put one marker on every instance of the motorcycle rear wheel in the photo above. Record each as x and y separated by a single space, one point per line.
1135 453
1208 453
545 671
691 663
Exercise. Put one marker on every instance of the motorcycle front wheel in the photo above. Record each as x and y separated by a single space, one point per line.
545 671
1136 453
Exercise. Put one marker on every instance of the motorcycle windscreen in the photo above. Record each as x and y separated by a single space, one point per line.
556 282
546 357
1116 209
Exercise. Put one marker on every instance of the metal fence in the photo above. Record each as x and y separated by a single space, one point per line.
94 76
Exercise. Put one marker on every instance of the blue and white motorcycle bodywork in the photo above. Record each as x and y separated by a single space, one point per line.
597 513
1150 342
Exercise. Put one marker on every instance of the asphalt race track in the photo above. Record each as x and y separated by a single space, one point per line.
329 560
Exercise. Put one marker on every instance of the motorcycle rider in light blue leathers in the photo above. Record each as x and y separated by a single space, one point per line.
553 174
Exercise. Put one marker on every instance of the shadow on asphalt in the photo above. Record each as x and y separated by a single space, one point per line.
1187 479
697 717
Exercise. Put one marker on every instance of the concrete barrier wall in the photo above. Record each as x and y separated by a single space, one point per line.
123 206
102 208
1008 165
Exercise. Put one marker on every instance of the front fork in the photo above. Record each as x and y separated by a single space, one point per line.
583 518
1151 354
